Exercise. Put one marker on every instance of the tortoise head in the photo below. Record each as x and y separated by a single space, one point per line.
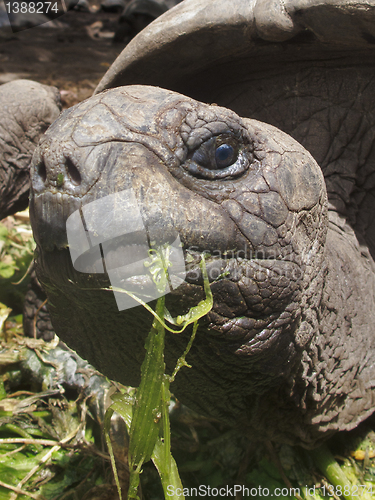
138 166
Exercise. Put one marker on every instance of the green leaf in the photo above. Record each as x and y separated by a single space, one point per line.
7 269
149 415
168 471
145 423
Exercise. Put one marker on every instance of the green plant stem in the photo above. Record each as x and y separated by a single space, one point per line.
145 425
149 415
21 432
107 429
328 466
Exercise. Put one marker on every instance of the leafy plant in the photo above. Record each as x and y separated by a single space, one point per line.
147 415
16 254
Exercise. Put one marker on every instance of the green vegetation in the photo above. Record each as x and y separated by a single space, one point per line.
16 254
50 447
147 416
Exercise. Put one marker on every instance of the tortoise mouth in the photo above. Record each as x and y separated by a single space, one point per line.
249 294
249 286
231 265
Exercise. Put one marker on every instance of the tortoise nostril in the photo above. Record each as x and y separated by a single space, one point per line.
42 171
73 172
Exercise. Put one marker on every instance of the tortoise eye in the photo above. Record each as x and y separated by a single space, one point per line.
217 153
225 156
220 157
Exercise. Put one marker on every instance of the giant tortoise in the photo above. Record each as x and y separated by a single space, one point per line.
286 221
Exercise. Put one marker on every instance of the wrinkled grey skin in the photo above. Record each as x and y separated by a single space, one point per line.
287 352
27 109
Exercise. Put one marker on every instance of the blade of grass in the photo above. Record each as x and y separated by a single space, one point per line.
107 426
145 423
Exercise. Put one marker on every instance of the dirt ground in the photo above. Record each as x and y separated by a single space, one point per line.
73 56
